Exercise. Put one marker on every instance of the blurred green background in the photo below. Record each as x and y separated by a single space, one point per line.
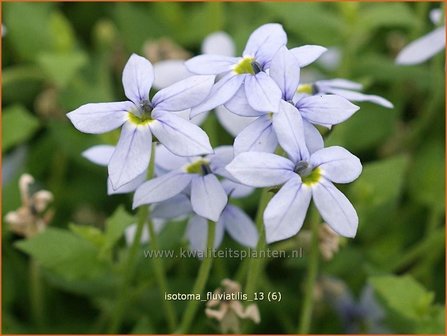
58 56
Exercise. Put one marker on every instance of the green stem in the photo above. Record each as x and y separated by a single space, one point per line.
308 302
255 264
201 280
36 294
129 267
160 275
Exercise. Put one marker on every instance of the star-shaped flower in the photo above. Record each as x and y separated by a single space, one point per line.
247 72
263 133
141 118
303 176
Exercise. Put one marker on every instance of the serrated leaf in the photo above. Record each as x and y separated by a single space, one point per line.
18 125
64 253
404 295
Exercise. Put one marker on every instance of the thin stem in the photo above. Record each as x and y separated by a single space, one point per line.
308 302
255 264
129 267
160 275
201 280
36 294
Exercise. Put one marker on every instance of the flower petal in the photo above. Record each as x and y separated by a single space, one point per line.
131 231
131 186
262 92
314 140
236 190
285 213
168 72
218 43
168 161
423 48
264 42
210 64
184 94
221 92
338 165
335 208
285 71
174 207
221 157
339 83
307 54
100 117
99 155
232 123
259 136
132 154
180 136
288 126
208 197
138 76
361 97
161 188
326 109
261 169
197 232
240 227
238 104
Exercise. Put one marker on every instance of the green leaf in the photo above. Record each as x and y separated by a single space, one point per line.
90 233
28 28
18 126
115 226
63 36
376 192
404 295
64 253
379 121
426 178
61 68
305 20
374 16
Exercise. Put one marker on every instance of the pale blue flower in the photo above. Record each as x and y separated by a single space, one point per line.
303 176
233 220
426 46
349 90
248 72
142 118
208 196
101 155
263 133
168 72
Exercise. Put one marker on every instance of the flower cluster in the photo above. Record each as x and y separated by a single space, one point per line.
260 90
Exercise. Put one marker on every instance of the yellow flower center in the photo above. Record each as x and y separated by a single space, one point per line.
305 88
245 66
143 120
312 178
200 166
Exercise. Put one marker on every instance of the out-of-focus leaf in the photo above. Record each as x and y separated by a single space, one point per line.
376 192
28 28
64 253
64 39
61 68
90 233
351 134
403 294
376 16
314 22
21 83
426 181
18 125
115 226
